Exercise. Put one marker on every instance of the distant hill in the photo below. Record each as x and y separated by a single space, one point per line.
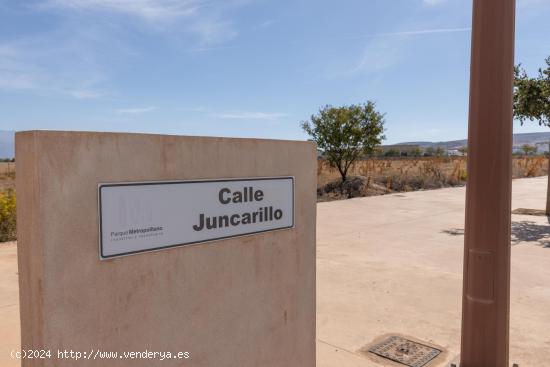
7 144
540 139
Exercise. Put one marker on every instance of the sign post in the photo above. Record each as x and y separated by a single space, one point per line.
486 290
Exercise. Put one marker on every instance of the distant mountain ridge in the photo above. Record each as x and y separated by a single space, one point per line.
7 144
519 140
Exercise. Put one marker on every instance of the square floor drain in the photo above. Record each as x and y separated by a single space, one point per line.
405 351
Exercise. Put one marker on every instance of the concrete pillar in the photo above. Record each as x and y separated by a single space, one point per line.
237 302
486 292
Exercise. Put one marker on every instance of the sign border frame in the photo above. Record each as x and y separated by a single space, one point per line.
194 243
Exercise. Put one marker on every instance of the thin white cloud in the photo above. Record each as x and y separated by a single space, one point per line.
433 2
382 52
417 32
267 23
529 3
532 7
213 48
193 109
213 30
135 110
204 18
85 94
377 55
250 115
77 58
426 31
39 66
150 10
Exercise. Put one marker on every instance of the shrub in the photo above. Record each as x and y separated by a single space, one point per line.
7 216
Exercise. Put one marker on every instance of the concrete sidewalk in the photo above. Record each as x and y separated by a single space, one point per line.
393 264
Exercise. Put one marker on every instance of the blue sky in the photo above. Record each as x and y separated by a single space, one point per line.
245 68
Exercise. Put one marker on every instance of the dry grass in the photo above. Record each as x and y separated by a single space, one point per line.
7 175
385 175
7 202
8 219
410 174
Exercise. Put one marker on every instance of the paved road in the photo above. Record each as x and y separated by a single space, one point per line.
393 264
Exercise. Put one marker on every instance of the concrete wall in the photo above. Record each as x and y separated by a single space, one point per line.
239 302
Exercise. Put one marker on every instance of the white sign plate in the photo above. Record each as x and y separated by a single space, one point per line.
149 216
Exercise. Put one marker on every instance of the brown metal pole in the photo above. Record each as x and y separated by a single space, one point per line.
486 292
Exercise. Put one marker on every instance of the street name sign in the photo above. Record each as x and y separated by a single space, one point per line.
148 216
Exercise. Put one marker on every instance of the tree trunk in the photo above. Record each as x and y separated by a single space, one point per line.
343 173
548 185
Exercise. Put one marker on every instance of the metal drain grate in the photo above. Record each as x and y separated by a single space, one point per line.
405 351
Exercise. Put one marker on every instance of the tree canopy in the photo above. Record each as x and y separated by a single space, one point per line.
532 95
344 134
532 102
529 149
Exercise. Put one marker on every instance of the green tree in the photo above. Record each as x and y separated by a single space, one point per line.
346 133
440 152
377 152
416 152
532 102
532 95
529 149
392 152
